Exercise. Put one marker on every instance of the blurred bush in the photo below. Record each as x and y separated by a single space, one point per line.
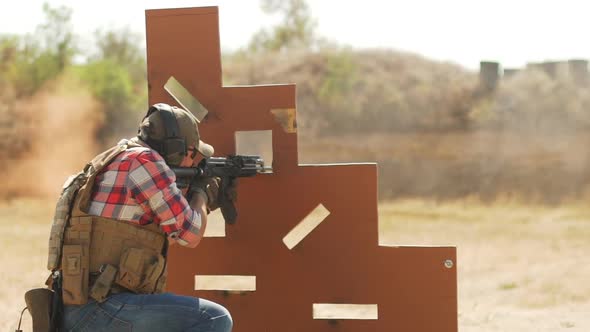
340 90
534 102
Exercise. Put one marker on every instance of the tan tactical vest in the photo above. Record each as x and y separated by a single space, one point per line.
99 255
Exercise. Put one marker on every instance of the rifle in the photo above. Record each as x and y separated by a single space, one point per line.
228 169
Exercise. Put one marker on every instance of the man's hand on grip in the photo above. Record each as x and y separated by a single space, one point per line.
208 188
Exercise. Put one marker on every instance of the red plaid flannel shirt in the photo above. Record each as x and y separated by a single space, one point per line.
138 186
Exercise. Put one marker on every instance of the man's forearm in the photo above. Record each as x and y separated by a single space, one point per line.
199 204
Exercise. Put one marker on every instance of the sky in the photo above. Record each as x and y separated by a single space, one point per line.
512 32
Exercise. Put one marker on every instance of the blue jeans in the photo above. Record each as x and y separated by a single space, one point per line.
154 312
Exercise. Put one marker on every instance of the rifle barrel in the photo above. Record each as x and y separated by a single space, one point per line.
246 163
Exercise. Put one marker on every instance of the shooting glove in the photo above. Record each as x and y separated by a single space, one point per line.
208 187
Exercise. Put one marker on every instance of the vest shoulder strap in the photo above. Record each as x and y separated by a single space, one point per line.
92 169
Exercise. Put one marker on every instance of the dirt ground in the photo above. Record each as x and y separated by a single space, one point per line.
521 267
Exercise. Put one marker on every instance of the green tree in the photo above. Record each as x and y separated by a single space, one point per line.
56 35
297 27
122 47
30 61
8 53
116 75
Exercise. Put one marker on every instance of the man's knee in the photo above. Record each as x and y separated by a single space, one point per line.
226 323
219 315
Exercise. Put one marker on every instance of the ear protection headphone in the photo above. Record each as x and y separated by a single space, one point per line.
173 144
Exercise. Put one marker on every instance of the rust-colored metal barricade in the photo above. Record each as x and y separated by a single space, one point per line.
339 261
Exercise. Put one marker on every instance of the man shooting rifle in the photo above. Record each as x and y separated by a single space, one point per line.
113 223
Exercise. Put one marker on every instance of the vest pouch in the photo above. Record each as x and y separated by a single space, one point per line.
161 282
60 218
154 277
75 262
139 270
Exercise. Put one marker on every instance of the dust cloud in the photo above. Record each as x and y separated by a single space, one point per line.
60 130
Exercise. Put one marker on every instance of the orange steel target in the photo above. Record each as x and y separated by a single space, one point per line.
340 261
